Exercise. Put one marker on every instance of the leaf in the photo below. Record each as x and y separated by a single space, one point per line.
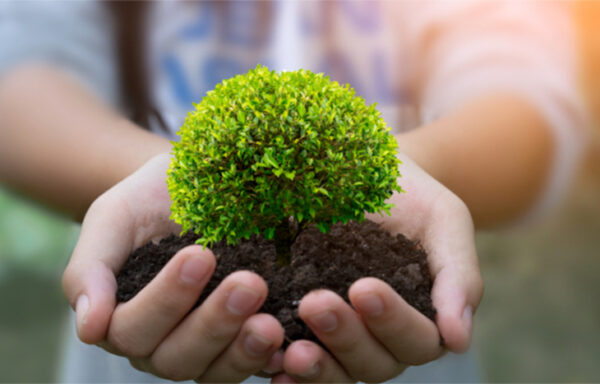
290 175
323 227
301 110
269 160
241 117
322 191
269 233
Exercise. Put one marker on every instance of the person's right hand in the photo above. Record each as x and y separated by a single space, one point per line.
221 340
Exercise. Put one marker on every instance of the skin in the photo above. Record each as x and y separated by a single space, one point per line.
380 335
87 159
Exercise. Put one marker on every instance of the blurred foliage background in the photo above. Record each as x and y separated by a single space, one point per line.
539 319
34 248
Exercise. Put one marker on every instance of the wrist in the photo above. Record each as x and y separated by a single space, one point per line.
421 147
136 146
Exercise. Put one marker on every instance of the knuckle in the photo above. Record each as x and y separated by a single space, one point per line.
126 344
244 366
217 330
172 367
168 303
346 345
394 325
216 324
371 377
369 371
108 347
139 364
170 371
210 378
380 375
424 357
425 354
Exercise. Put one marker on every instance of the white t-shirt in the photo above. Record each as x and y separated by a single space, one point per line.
349 41
415 59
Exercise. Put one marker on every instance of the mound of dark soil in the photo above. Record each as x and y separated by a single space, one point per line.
332 261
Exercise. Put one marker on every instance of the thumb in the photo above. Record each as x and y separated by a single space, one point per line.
89 281
91 291
456 295
128 215
458 287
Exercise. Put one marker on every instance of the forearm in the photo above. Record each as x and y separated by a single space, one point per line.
61 145
493 152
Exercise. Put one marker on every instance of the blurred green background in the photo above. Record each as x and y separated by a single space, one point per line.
539 320
34 248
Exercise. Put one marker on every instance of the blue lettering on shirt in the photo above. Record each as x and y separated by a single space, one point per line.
177 78
241 24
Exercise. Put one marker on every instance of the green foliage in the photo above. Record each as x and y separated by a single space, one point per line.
266 146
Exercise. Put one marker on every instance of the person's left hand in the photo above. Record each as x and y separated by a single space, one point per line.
159 330
380 335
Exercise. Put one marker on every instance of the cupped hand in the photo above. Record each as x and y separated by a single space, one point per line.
221 340
380 335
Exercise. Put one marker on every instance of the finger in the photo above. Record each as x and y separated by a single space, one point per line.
140 324
89 280
410 336
91 288
260 338
340 328
129 214
274 366
283 378
456 295
458 287
206 332
306 362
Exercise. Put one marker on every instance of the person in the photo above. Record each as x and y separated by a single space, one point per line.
90 94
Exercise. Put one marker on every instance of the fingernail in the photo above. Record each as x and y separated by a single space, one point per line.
370 304
194 270
311 372
324 322
275 364
242 301
467 318
81 308
256 345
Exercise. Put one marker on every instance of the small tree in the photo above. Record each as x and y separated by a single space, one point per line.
265 150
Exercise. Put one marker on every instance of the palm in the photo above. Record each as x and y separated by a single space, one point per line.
145 203
153 329
432 214
380 334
